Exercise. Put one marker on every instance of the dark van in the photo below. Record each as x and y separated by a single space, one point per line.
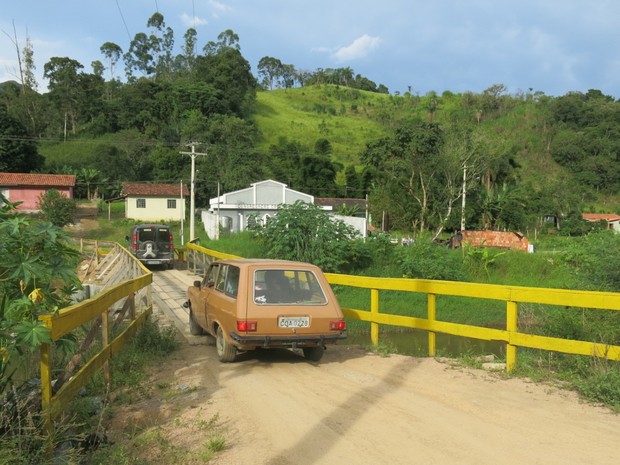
152 244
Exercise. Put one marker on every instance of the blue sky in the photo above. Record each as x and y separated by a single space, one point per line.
552 46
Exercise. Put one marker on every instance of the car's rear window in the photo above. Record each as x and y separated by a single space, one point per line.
153 234
286 286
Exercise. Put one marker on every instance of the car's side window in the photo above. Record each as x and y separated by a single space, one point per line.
232 281
209 280
221 278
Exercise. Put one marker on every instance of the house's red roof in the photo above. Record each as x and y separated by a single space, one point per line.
168 190
35 179
338 202
601 216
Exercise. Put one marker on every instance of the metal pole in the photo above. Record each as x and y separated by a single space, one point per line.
193 154
463 198
192 204
182 213
217 233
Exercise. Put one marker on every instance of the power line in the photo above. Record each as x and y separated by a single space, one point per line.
123 18
194 14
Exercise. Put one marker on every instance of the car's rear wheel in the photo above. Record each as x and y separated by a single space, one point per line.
314 354
225 351
194 328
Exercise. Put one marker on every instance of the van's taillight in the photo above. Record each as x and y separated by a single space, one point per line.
171 243
337 325
134 242
244 326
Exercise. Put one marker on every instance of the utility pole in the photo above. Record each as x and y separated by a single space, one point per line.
182 214
463 197
192 206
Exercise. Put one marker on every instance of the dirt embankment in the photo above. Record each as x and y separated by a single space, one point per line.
275 408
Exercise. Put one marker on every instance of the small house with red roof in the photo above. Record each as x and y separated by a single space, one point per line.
28 187
154 202
612 220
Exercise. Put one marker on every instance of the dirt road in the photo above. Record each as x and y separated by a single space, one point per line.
354 407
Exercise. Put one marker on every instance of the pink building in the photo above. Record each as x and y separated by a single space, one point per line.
27 187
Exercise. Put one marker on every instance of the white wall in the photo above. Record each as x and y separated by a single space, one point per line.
156 209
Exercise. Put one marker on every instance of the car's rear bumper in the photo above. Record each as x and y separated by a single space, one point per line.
286 341
156 261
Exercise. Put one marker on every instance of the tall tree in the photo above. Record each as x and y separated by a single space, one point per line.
18 153
63 75
113 53
269 69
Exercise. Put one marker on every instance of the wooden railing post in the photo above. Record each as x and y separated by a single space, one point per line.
432 316
105 341
512 318
374 310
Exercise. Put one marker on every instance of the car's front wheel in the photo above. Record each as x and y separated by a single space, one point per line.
225 351
314 354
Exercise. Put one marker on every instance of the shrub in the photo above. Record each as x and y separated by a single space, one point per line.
304 232
426 260
56 208
594 260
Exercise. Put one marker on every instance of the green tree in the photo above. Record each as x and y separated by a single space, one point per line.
37 276
306 233
113 53
56 208
270 70
225 68
18 153
63 75
88 176
408 165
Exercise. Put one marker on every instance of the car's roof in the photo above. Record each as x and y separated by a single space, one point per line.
272 263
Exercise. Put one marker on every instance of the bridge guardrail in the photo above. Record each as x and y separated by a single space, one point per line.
511 295
121 307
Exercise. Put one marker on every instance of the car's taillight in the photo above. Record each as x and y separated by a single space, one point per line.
337 325
244 326
171 243
134 242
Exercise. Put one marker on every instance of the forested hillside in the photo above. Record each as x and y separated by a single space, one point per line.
517 158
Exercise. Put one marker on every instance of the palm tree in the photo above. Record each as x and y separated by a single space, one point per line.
87 176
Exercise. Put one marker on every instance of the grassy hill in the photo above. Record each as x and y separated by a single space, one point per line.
348 118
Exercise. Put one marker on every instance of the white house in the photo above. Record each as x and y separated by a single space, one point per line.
258 202
235 210
154 202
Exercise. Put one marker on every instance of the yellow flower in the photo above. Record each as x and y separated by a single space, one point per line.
36 296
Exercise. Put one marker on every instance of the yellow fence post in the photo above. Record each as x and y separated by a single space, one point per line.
512 318
105 342
374 310
46 393
432 316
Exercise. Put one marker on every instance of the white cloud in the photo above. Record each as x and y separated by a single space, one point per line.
192 21
218 6
360 48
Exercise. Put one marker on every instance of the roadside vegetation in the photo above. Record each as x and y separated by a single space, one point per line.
527 162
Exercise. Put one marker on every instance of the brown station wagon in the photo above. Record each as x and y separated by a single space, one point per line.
248 304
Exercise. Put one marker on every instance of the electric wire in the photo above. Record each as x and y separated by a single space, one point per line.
123 18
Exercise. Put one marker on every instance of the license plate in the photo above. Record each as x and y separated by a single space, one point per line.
152 262
294 322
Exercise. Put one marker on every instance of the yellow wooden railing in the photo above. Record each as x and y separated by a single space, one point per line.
96 310
511 295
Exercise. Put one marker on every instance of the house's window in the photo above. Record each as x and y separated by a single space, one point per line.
172 203
140 203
